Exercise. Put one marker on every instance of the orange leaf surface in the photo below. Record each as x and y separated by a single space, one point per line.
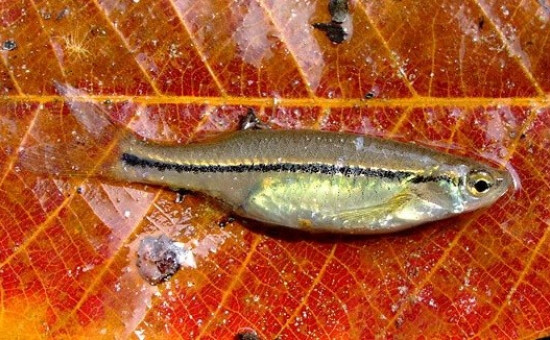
471 78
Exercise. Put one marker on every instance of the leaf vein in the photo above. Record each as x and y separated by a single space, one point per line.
126 45
509 48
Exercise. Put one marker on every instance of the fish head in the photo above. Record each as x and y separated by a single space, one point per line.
453 189
481 185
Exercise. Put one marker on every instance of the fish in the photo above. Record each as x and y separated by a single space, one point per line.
317 181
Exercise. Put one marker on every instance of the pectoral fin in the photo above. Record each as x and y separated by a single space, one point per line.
374 212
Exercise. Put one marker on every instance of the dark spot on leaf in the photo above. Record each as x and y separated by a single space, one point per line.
370 95
9 45
79 190
247 334
180 195
98 31
159 258
108 103
481 23
334 31
46 15
225 221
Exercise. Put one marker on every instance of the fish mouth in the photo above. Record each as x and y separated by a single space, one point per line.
512 178
507 180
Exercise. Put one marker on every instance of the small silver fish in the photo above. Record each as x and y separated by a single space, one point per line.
310 180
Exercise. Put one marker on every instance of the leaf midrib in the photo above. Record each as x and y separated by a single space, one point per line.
411 102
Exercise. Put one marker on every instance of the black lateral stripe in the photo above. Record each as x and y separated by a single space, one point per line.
328 169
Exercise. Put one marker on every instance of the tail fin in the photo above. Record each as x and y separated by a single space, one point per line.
90 114
88 142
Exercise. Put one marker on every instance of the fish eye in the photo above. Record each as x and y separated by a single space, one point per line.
479 182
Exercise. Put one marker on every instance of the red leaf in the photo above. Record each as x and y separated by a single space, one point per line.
471 78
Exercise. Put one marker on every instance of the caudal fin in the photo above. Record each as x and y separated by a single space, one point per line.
90 114
87 142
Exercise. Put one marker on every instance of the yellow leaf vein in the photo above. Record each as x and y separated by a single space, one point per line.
509 47
391 56
198 49
128 48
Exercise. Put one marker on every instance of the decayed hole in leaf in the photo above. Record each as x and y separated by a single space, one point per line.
247 334
159 258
